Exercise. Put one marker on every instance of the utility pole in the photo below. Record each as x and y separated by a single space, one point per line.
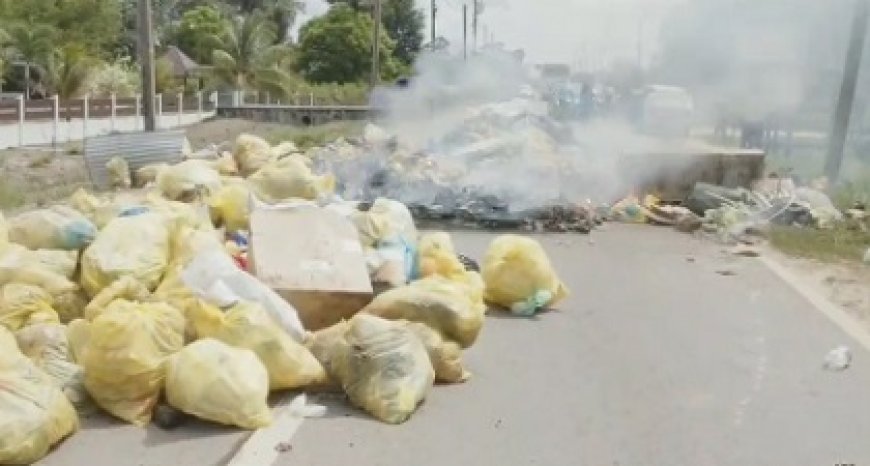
465 32
840 129
474 14
432 28
146 61
376 44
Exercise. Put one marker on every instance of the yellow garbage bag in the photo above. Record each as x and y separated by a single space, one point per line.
55 228
78 332
438 257
225 164
443 305
251 153
124 356
187 179
179 214
148 174
126 287
34 414
137 246
289 178
217 382
118 171
66 295
283 149
383 367
22 305
52 260
47 346
247 325
518 275
230 207
445 356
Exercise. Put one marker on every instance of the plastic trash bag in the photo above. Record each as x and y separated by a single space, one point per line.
148 174
68 300
22 305
518 275
34 413
51 260
47 346
230 206
188 179
445 356
217 382
283 149
124 356
289 178
214 277
251 153
55 228
126 287
382 366
438 257
225 164
444 305
247 325
118 171
129 246
179 214
400 220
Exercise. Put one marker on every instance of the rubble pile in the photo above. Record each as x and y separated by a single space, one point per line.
203 290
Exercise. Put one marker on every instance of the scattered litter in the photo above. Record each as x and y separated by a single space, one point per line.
838 359
726 272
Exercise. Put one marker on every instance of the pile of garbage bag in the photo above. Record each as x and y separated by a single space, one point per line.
131 299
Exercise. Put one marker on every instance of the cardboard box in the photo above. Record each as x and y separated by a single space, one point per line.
312 257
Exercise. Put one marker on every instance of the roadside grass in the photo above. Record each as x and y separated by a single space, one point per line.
846 241
838 244
306 137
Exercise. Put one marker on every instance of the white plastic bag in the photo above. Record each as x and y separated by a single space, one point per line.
214 277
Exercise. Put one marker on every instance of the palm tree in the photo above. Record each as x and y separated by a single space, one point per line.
29 44
5 55
66 72
244 56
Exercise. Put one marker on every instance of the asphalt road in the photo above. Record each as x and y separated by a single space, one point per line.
654 360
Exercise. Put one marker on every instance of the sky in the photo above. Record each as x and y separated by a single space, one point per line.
587 33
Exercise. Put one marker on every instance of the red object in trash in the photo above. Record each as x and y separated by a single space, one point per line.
242 262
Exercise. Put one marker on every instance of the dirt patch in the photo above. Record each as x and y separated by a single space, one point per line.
33 177
846 284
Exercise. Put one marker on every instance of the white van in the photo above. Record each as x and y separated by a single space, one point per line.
667 111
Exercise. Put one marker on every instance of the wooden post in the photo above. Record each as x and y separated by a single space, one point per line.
146 60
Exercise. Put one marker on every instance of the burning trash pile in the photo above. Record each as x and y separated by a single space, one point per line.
500 168
221 280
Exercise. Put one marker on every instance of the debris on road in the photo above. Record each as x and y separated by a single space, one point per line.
744 250
838 359
519 277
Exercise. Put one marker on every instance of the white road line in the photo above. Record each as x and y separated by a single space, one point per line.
841 318
261 448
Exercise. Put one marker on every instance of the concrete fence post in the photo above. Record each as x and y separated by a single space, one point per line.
268 98
21 111
159 106
55 100
180 98
311 99
138 112
86 113
199 105
113 105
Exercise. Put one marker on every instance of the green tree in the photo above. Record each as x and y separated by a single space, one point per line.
245 56
336 47
404 24
66 72
281 13
94 24
196 30
30 44
5 55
